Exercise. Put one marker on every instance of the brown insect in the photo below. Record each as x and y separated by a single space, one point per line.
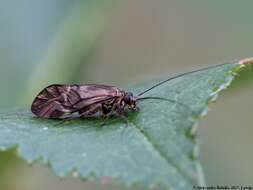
71 101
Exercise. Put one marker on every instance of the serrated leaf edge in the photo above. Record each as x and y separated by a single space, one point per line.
118 179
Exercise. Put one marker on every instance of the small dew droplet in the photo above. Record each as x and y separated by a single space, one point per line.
84 154
45 128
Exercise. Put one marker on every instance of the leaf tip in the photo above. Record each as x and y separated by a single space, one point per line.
246 61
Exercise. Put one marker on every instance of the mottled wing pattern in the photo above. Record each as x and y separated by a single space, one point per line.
56 101
50 103
94 98
91 94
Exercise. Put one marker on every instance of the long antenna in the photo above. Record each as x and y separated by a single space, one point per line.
169 100
179 75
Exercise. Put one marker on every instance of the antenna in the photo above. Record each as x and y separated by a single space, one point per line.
179 75
171 101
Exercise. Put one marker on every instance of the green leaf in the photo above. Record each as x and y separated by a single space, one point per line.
157 149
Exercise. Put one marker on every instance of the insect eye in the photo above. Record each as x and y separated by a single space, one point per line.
128 97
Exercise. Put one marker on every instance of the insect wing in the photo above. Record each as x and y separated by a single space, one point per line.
56 101
49 103
94 94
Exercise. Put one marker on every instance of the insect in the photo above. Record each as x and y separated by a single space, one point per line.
71 101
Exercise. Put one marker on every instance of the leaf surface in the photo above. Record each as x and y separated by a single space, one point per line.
157 149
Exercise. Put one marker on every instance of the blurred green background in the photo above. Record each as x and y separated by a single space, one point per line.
122 43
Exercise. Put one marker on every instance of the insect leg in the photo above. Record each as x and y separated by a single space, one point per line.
124 118
120 110
89 112
105 117
92 111
63 121
108 108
